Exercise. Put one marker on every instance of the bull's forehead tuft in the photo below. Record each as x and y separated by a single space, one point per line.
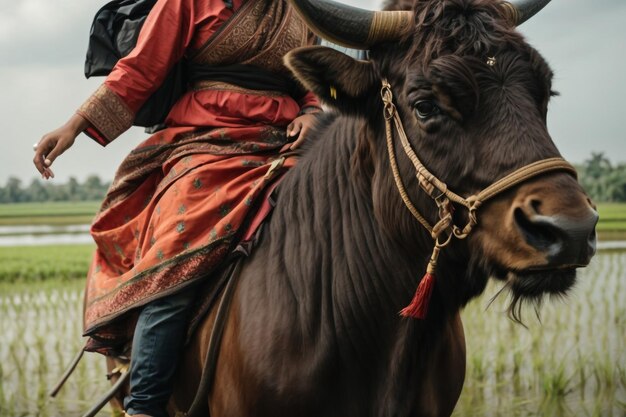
462 27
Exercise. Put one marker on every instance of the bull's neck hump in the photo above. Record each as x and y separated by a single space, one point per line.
338 255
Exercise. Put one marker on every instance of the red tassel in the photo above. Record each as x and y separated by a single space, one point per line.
419 305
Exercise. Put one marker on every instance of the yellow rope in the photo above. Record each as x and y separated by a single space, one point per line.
398 180
524 173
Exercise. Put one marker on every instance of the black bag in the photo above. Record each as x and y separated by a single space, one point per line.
113 35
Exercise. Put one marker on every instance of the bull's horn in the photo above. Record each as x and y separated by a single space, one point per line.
351 26
520 11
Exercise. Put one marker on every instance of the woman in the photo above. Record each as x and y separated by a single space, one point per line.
178 200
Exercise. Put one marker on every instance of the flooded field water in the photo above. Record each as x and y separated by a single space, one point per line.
31 235
572 363
41 332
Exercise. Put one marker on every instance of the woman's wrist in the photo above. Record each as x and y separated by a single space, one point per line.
77 124
309 110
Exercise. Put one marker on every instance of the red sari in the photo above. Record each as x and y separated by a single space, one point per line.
179 199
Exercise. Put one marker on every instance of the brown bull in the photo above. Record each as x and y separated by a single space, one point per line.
314 328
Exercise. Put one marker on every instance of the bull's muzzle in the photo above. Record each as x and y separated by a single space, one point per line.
566 242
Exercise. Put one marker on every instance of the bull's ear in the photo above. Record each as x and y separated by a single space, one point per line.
337 79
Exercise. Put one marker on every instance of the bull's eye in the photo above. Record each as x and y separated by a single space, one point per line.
425 109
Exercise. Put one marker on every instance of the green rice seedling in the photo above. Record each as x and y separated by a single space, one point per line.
500 363
8 408
15 356
42 398
518 359
557 384
2 378
581 368
538 365
621 375
42 371
478 366
555 407
606 371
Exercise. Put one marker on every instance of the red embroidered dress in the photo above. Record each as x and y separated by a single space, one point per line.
179 198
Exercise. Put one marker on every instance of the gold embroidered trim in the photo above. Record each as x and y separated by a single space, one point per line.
260 36
218 85
290 34
221 46
107 112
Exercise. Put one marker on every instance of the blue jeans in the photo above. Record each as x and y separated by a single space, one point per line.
157 345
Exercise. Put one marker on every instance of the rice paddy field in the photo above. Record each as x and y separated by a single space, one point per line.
570 360
52 213
40 330
612 224
612 215
43 265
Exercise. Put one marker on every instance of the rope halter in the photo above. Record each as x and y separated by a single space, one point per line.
444 229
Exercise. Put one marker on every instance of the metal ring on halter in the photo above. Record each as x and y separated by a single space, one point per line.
458 233
441 226
445 243
463 233
387 96
389 110
442 194
385 92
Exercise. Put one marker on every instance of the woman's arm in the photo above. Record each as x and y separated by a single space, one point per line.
162 42
111 109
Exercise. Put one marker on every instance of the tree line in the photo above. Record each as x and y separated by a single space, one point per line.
603 181
14 191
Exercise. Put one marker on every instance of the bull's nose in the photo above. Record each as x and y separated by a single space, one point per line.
565 241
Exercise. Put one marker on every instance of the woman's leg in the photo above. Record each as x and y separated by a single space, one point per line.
157 343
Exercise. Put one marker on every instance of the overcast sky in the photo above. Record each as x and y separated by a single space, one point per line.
42 50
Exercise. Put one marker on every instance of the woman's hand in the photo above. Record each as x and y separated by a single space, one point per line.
300 127
55 143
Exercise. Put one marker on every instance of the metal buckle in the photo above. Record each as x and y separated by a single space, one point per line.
275 165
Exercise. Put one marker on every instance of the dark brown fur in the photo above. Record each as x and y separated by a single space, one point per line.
314 329
398 4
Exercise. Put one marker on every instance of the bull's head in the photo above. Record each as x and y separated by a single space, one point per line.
473 98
